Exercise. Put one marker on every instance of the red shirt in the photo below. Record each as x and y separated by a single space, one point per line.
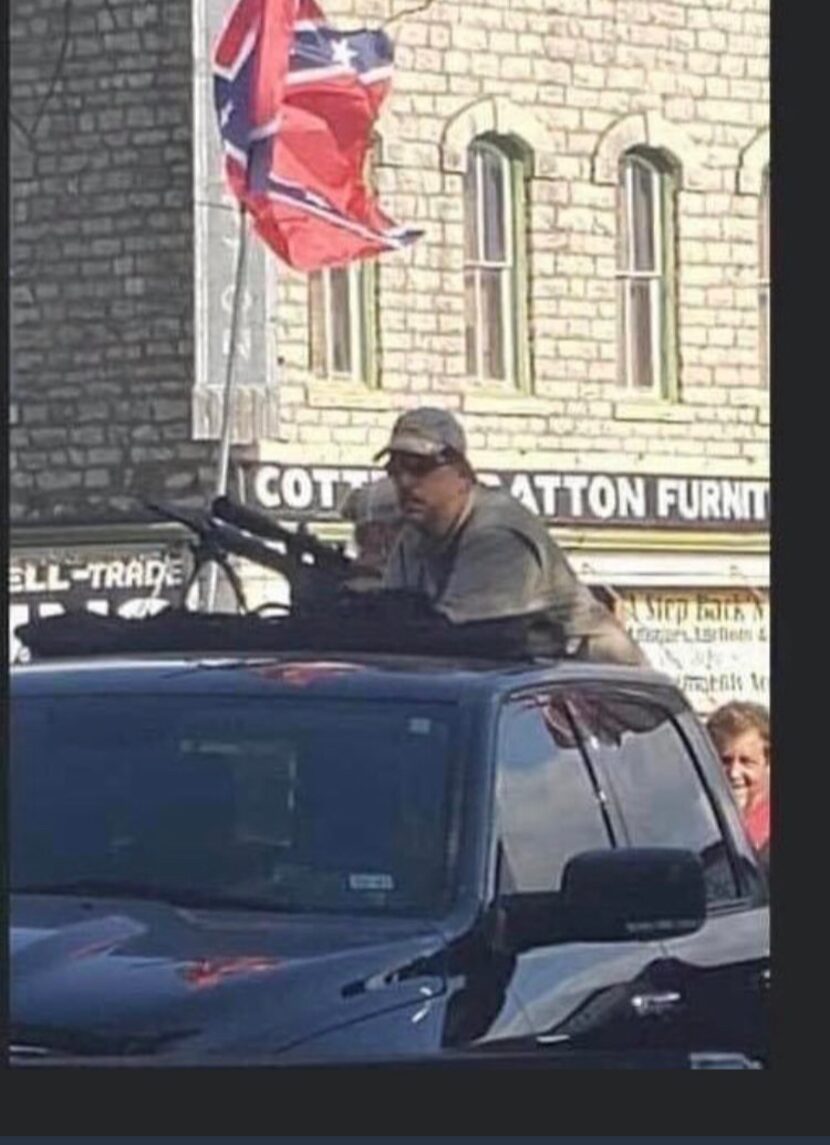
756 821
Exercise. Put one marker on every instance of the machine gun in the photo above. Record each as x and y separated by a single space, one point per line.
299 544
316 571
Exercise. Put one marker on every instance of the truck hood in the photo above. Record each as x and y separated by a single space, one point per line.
92 976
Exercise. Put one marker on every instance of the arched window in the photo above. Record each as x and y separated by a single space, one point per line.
764 277
494 260
646 273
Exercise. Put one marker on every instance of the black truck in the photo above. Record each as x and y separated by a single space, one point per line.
326 855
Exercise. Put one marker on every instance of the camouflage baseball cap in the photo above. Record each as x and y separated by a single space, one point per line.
426 431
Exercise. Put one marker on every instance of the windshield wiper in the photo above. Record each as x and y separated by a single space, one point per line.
175 896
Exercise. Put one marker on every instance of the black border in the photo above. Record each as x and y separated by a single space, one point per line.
787 1098
425 1100
5 198
799 445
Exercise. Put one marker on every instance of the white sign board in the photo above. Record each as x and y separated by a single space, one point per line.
134 581
713 642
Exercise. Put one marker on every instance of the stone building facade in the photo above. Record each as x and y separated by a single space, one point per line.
590 293
101 258
577 84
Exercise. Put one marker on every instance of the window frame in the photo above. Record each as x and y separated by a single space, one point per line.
744 896
362 292
538 695
514 165
664 176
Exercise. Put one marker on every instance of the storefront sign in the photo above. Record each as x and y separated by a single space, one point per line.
317 491
131 582
713 643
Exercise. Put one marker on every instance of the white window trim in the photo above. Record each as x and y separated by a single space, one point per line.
656 279
356 334
506 268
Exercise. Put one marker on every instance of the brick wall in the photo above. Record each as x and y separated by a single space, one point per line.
580 81
101 258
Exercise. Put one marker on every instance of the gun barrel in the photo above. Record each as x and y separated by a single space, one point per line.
310 585
237 543
250 520
255 522
193 523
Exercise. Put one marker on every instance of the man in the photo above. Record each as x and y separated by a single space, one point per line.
476 552
375 513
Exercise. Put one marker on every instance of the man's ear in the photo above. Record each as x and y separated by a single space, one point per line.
463 468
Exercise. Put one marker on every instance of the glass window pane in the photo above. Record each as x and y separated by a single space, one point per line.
642 332
317 324
645 215
548 810
653 776
341 320
298 803
493 283
494 176
470 322
470 210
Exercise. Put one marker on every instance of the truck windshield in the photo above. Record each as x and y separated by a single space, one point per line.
308 804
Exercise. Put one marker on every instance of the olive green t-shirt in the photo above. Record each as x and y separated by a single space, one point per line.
500 562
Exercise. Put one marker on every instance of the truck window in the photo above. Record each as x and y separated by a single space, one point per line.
649 772
310 804
547 808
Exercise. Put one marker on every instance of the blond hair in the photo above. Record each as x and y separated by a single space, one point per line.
736 718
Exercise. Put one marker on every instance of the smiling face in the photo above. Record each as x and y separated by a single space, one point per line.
745 758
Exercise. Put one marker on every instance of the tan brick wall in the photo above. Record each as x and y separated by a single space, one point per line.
576 80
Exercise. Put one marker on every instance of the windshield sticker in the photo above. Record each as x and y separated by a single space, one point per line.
369 882
420 726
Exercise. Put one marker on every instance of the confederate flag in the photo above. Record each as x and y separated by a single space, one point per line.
296 102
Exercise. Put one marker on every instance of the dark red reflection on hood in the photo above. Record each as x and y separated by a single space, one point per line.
211 971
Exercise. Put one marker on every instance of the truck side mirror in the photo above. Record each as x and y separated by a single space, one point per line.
632 893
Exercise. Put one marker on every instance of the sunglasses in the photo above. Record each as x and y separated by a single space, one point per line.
413 465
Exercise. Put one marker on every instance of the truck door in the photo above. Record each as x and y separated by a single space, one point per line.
661 791
550 807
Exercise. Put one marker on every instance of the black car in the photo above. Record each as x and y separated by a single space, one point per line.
342 857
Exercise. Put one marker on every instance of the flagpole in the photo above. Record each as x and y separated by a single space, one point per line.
227 403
